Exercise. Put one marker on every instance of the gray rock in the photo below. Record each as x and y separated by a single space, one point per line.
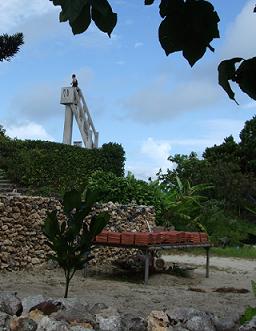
97 308
185 314
31 301
10 303
80 328
49 324
250 326
23 324
200 323
133 323
70 303
4 321
74 310
48 307
70 315
109 320
225 324
52 264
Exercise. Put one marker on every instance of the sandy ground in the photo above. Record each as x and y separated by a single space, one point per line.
164 291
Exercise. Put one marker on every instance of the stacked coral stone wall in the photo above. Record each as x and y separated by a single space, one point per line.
22 243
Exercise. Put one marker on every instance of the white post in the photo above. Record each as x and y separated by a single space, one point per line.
68 126
76 106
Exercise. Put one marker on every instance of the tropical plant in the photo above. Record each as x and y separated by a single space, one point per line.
71 239
184 204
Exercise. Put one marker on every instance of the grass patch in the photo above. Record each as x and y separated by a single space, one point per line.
245 252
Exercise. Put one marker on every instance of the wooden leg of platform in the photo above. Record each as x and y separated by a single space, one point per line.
207 261
146 267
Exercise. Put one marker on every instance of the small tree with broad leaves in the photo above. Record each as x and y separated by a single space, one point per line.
71 240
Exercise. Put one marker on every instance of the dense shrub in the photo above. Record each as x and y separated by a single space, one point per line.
126 190
53 167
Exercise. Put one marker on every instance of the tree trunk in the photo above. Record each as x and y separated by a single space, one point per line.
67 284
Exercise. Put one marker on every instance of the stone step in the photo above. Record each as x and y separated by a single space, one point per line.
6 187
5 184
6 190
4 181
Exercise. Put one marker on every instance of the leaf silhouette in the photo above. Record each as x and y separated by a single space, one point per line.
227 71
189 27
246 77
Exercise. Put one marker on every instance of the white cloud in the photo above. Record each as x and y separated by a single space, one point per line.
28 130
156 102
15 12
154 154
121 62
249 105
138 44
240 37
37 103
157 150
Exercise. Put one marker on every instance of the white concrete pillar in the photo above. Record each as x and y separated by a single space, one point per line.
68 126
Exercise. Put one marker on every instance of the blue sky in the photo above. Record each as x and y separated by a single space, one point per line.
152 104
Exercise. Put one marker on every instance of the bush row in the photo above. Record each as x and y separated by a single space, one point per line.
50 167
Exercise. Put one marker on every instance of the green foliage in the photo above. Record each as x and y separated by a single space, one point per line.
127 189
222 227
229 167
189 27
80 13
248 146
56 168
227 71
71 239
249 313
2 131
10 45
253 287
183 205
228 210
244 76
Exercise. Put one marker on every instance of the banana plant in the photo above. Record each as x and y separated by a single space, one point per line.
71 239
184 203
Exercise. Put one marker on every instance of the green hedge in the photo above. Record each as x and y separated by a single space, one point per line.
126 190
49 167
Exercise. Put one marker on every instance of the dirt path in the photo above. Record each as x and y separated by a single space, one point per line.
163 292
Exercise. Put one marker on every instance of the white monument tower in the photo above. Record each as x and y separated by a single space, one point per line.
76 106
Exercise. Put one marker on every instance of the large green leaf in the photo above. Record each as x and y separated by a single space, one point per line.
72 199
103 16
70 9
51 226
246 77
98 223
188 26
83 20
248 314
149 2
80 12
227 71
